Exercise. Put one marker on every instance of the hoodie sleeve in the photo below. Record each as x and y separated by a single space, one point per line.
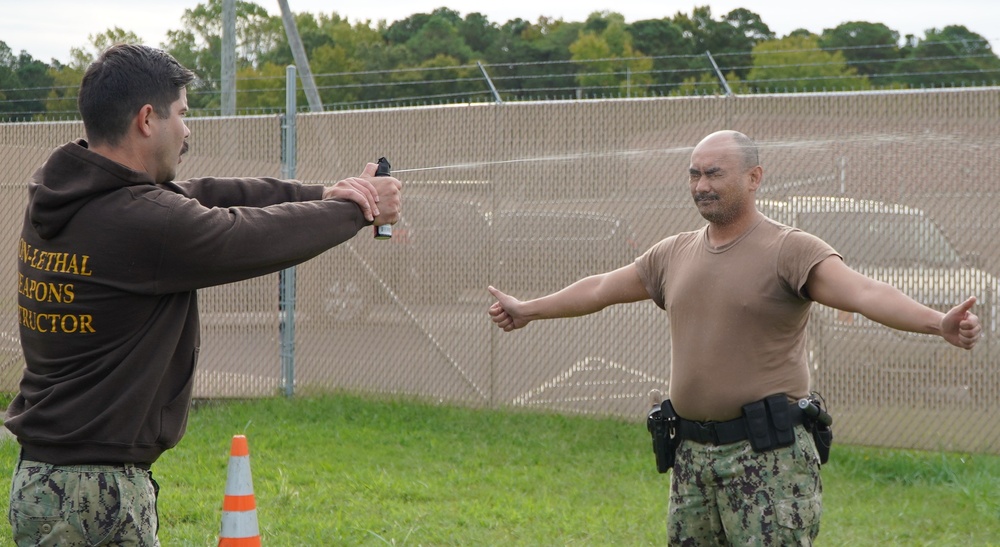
246 192
204 246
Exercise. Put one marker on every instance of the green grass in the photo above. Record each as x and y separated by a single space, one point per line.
345 470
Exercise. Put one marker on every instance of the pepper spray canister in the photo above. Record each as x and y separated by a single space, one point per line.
384 231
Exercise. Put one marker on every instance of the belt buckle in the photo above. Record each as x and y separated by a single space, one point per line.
707 431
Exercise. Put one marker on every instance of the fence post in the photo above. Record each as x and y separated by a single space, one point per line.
286 278
493 89
719 75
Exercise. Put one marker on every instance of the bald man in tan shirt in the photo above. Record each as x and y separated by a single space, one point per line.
738 293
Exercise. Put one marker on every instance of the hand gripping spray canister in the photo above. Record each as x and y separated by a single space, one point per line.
384 231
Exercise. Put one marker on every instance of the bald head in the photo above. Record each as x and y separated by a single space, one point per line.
724 176
740 144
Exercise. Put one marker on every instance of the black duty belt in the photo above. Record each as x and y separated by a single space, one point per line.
727 432
27 455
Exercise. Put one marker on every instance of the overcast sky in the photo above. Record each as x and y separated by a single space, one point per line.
47 29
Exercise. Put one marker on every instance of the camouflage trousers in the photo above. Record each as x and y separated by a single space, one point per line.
83 505
731 495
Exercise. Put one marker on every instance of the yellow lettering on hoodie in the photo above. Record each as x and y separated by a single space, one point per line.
57 322
67 263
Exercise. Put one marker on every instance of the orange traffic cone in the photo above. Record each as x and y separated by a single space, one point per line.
239 510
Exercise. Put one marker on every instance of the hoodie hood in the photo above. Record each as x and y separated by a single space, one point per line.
72 176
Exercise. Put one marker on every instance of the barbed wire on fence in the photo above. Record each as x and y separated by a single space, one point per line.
615 77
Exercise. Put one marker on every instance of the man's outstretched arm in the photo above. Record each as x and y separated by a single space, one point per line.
588 295
833 283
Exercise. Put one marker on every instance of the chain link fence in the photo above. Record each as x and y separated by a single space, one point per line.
530 196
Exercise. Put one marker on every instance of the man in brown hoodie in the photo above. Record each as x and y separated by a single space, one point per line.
111 254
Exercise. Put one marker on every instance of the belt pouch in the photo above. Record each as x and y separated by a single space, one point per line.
781 418
758 430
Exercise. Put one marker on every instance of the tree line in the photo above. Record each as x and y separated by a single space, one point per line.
444 57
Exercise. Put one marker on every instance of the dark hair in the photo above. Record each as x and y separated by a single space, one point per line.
751 158
120 82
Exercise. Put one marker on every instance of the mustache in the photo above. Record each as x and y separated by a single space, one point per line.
705 196
184 149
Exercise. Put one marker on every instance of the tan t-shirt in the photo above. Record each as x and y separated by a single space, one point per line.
738 315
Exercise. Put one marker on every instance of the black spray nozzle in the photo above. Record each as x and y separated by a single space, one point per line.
384 231
383 168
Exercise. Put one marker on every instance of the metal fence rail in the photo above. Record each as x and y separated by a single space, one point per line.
531 196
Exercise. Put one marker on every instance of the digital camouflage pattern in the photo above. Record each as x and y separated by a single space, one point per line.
731 495
71 505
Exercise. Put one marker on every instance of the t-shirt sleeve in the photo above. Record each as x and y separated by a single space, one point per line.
651 266
800 253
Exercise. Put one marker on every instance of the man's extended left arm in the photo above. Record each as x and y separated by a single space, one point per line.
833 283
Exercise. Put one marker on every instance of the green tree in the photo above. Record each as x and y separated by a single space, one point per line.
335 71
257 33
64 80
952 56
748 26
81 57
800 33
439 36
262 89
666 44
531 60
730 39
401 31
199 45
338 54
65 87
871 48
343 67
596 70
315 31
433 41
35 82
795 63
9 83
444 79
24 85
607 61
478 33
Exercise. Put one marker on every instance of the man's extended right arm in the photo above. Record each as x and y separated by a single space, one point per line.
365 190
588 295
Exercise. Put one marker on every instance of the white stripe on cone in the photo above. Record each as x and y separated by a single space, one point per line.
240 524
239 482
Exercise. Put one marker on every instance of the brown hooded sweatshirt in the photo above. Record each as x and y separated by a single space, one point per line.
108 267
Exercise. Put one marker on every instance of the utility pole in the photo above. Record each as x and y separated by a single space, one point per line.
228 57
299 54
